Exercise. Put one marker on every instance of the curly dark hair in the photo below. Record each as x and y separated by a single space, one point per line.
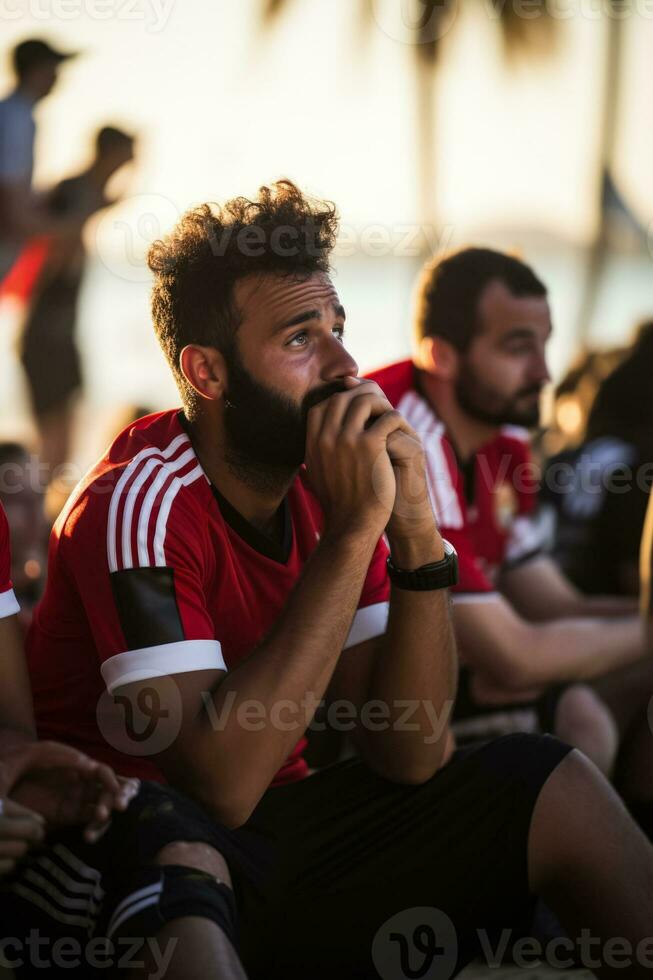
449 291
196 267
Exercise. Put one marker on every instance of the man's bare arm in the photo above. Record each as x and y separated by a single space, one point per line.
46 777
519 655
411 671
229 766
16 709
24 217
539 591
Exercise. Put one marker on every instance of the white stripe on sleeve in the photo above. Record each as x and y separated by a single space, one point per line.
114 537
368 622
8 604
159 661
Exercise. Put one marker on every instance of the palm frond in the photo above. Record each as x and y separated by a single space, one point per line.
272 8
532 35
430 29
521 35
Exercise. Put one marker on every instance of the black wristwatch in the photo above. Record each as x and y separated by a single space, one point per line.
436 575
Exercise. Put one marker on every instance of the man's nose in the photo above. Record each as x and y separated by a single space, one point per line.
339 363
541 370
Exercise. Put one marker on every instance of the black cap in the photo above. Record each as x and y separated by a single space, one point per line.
34 52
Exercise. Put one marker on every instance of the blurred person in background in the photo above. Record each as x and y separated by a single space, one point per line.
599 487
23 215
49 352
530 642
574 396
22 496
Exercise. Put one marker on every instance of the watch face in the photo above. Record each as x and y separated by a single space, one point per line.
449 548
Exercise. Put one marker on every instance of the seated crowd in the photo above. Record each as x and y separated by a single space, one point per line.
278 556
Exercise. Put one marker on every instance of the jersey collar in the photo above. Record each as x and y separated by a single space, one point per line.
253 536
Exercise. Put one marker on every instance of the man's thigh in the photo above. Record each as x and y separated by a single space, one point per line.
363 857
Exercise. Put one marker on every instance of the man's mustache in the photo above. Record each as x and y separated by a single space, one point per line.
320 394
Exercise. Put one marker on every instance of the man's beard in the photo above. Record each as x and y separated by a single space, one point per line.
484 404
265 430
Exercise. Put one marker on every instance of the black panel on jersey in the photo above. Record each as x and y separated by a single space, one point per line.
147 606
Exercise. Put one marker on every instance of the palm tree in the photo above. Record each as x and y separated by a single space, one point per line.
428 20
609 201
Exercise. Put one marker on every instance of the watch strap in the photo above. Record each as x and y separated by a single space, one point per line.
435 575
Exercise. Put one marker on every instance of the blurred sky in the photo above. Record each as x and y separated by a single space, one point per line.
221 108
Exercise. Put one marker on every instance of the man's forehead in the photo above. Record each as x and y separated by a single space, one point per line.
500 311
279 296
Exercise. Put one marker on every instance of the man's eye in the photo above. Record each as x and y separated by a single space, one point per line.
339 332
298 339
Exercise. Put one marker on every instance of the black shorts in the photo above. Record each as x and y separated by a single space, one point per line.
473 721
331 872
49 352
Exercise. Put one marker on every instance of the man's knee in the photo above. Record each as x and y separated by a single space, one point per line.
577 795
195 854
584 721
185 879
573 802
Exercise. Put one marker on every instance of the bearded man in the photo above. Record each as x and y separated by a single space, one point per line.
221 572
530 643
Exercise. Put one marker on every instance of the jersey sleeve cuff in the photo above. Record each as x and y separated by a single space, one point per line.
368 622
160 661
8 604
522 559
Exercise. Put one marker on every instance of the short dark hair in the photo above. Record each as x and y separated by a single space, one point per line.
449 291
13 452
110 137
623 406
196 267
33 53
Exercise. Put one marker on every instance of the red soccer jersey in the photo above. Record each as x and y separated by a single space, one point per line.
8 603
484 507
152 573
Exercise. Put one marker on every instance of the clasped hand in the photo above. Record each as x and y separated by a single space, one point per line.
45 786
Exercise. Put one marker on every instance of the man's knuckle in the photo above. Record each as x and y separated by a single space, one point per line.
325 443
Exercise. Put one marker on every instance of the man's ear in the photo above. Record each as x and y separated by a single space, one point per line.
205 370
438 357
